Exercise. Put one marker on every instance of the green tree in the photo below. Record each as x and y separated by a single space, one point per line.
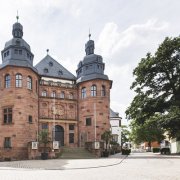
44 138
106 136
157 84
147 132
124 134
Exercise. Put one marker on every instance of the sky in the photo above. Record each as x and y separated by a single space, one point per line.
124 31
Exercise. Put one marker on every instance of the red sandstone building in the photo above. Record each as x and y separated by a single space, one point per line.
74 110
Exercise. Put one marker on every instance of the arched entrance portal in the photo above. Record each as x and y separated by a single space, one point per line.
59 134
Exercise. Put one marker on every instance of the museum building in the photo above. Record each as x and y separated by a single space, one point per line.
74 109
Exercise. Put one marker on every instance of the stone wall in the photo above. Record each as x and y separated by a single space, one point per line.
24 103
87 107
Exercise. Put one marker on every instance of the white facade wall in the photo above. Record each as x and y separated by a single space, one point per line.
116 130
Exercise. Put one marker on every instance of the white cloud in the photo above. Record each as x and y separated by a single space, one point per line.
111 41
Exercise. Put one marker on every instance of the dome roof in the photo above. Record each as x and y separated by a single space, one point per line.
17 31
17 42
92 58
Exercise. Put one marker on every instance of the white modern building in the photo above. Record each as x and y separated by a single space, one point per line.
115 121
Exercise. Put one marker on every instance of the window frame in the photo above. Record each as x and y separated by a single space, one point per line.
88 121
18 82
71 138
53 94
29 82
7 142
83 93
7 80
30 119
103 91
93 90
44 93
62 95
7 115
44 126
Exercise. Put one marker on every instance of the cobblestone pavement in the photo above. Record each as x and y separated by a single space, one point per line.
62 164
137 166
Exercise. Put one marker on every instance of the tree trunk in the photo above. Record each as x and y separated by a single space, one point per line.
149 145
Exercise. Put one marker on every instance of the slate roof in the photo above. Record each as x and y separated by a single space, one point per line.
16 62
113 114
51 68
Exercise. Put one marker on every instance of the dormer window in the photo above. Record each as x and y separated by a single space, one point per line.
50 64
20 52
6 53
45 70
60 72
18 43
15 51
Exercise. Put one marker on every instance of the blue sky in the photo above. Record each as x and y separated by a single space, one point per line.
123 31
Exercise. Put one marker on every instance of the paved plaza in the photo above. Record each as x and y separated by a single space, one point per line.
137 166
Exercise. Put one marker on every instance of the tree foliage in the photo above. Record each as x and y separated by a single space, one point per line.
44 138
124 134
106 136
147 132
157 84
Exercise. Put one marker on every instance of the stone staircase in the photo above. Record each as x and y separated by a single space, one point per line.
76 153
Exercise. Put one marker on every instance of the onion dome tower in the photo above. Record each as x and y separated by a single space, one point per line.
18 97
94 96
17 51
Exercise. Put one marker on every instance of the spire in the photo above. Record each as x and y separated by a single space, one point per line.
17 17
89 46
89 34
17 31
47 50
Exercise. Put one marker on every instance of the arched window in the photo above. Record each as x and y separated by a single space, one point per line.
18 80
29 82
93 90
62 95
103 91
7 81
53 94
83 93
44 93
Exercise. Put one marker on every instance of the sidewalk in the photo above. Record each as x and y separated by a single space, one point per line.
64 164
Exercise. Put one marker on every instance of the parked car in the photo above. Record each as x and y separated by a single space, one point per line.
165 147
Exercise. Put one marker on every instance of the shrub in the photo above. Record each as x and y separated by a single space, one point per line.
155 150
126 151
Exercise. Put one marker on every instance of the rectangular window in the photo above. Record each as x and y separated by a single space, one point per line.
83 93
71 127
88 121
119 123
30 119
20 52
7 142
7 115
71 137
44 126
15 51
62 95
36 86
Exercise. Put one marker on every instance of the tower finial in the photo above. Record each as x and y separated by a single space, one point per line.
89 34
47 50
17 17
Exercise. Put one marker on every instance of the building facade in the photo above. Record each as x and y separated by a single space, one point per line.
74 109
115 121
